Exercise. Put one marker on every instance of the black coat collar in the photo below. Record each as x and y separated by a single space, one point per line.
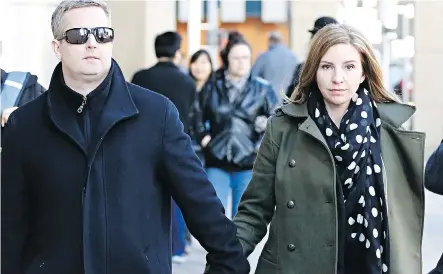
119 106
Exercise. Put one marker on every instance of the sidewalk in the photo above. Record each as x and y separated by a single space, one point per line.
196 260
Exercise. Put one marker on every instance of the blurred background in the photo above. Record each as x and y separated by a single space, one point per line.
406 35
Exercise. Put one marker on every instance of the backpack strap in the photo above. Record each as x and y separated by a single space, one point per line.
12 88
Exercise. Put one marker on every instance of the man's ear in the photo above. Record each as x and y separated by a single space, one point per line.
56 47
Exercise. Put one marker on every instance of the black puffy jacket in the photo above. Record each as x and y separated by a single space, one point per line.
234 140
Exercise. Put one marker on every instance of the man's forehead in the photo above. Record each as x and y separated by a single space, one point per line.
88 17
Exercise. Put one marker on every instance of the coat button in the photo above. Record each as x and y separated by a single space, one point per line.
290 204
291 247
292 163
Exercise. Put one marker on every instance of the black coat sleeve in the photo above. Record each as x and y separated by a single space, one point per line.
194 194
434 171
14 201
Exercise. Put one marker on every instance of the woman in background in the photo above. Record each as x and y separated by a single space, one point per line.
236 106
201 70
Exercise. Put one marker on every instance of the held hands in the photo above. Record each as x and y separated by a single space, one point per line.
6 113
260 123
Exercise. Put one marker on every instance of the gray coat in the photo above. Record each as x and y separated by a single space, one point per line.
276 65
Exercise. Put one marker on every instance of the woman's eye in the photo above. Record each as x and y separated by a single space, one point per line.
349 67
326 66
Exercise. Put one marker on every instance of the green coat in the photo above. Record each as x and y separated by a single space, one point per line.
294 189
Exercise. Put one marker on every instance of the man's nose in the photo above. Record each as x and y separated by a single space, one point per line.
91 43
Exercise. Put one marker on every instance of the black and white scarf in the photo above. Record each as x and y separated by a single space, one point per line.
357 152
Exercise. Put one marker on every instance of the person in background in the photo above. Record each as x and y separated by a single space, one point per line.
166 78
232 35
201 70
434 183
19 88
276 64
318 25
330 175
236 106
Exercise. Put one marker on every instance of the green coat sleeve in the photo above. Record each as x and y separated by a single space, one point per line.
258 202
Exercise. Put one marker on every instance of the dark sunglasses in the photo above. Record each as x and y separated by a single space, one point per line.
79 36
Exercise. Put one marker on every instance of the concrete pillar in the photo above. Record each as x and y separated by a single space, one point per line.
428 61
136 24
303 15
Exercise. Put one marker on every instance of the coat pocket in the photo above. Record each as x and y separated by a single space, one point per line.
265 266
153 262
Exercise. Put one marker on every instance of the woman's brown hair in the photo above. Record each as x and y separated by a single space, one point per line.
328 37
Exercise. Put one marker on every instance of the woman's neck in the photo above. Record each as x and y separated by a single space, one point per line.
336 112
199 84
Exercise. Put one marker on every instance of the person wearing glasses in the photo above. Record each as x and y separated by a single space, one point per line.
87 181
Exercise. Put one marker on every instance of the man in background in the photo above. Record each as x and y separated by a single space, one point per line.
318 25
166 77
276 64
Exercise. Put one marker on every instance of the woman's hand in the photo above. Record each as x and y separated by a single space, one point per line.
260 123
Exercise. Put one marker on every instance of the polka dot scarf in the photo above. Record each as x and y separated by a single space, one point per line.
356 149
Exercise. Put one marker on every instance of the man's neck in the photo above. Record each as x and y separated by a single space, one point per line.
166 59
85 84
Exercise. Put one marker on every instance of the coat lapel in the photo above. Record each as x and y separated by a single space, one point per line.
118 107
61 116
300 111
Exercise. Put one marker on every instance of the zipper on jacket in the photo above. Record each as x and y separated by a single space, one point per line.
87 127
80 108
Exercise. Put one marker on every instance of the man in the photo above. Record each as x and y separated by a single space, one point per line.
434 183
17 89
87 182
166 78
276 64
318 25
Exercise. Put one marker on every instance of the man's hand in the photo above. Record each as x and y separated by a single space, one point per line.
5 115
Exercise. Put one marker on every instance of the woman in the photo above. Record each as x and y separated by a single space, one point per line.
201 70
336 176
235 106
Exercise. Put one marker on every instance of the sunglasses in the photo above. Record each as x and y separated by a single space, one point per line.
78 36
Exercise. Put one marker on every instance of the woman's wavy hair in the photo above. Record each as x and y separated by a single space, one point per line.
328 37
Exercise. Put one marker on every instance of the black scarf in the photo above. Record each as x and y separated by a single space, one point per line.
357 152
